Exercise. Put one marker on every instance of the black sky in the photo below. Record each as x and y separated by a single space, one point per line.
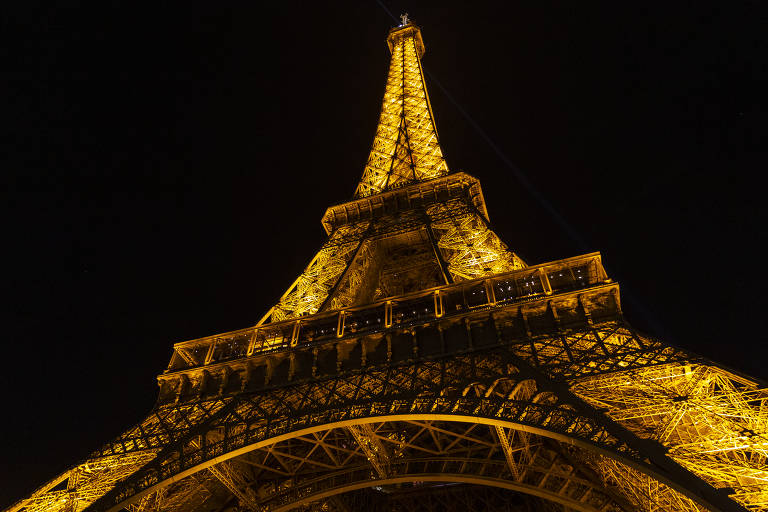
167 168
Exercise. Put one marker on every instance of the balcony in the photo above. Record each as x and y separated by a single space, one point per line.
531 284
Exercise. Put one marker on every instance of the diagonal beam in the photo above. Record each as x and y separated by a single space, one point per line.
234 482
680 478
372 447
231 479
508 453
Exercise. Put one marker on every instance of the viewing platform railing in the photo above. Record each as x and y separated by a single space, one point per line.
524 285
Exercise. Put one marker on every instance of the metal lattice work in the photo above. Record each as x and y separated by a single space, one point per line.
648 493
711 421
357 280
405 147
191 493
493 387
405 151
514 407
308 293
84 483
430 497
471 249
308 469
417 364
449 498
331 462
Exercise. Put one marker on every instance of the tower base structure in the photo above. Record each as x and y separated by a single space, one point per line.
527 382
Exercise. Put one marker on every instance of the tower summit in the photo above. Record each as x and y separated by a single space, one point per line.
418 364
406 147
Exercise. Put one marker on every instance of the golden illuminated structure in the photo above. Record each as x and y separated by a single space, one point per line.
418 364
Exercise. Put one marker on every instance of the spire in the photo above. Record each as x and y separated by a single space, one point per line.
405 148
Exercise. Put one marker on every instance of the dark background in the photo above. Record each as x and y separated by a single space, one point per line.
167 168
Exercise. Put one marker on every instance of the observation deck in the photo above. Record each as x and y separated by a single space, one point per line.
540 299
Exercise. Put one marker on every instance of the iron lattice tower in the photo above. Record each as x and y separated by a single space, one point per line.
418 364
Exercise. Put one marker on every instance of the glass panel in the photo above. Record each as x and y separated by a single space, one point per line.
529 284
475 294
559 279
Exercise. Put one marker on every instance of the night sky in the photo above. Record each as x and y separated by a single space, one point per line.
167 169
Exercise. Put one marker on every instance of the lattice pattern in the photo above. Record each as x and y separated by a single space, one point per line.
648 494
465 498
310 290
87 482
606 347
528 412
488 389
488 385
423 497
469 247
355 280
405 147
713 422
162 427
330 462
191 493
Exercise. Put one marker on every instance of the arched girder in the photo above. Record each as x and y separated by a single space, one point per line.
405 389
442 477
436 450
282 471
418 389
224 456
436 497
427 387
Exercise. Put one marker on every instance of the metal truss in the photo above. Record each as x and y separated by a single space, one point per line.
195 492
356 280
344 273
292 474
84 483
711 421
602 388
481 384
494 387
434 452
405 152
405 147
469 247
226 473
231 479
373 447
403 209
436 498
216 488
307 294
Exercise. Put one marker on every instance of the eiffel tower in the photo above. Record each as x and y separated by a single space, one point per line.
418 364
